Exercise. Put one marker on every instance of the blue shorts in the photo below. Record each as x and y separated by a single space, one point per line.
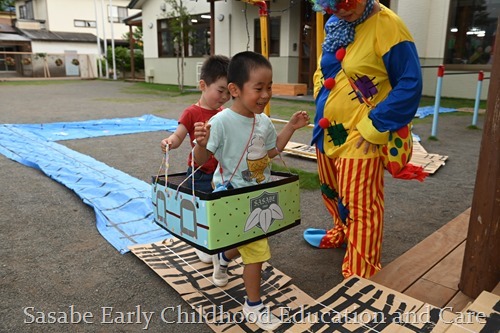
202 180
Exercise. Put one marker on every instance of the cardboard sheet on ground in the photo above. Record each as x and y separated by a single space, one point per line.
360 305
355 305
176 263
483 315
430 162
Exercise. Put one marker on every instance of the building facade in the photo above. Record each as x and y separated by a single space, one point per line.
457 33
63 30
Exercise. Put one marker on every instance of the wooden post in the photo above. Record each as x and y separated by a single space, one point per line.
132 46
212 27
320 32
481 266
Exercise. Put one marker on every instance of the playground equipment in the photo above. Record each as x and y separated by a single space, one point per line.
263 24
264 44
440 74
480 78
437 101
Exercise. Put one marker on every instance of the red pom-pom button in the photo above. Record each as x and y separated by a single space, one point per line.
340 54
324 123
329 83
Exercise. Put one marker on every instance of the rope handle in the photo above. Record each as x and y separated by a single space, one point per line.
165 164
282 160
193 171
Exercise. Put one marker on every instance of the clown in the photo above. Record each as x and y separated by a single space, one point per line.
368 83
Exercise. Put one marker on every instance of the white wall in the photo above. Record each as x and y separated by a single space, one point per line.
242 20
40 11
223 31
59 48
62 16
85 53
165 70
427 21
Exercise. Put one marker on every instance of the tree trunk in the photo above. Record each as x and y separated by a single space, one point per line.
481 266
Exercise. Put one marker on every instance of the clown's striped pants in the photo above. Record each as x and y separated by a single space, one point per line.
354 196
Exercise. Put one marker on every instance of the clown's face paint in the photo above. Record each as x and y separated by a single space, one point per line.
349 10
346 5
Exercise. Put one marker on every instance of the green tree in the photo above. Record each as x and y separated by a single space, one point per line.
123 59
137 36
180 29
7 5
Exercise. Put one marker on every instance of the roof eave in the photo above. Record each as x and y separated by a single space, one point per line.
136 4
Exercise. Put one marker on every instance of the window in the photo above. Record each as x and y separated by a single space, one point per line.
471 31
197 41
199 36
165 40
26 11
84 24
274 30
117 13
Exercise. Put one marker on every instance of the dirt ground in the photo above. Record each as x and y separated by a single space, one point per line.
54 259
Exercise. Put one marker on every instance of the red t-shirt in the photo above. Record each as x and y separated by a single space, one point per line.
191 115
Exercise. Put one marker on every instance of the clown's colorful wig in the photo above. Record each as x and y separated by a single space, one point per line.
331 6
325 6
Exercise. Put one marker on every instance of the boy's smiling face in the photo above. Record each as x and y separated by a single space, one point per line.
255 94
215 95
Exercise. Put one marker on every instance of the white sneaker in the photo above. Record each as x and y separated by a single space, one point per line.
220 272
261 316
206 258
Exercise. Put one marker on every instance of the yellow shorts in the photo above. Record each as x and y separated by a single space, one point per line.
255 252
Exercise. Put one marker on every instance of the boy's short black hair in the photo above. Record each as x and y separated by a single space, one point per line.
214 68
242 63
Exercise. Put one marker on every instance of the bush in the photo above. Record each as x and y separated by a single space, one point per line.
122 58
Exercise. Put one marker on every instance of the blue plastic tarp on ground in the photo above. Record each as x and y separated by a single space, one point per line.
425 111
122 203
101 127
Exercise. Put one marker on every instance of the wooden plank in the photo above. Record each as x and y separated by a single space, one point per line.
418 148
496 290
289 89
430 162
459 302
447 271
431 292
414 263
300 149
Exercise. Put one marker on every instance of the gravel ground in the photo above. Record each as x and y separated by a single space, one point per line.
53 257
